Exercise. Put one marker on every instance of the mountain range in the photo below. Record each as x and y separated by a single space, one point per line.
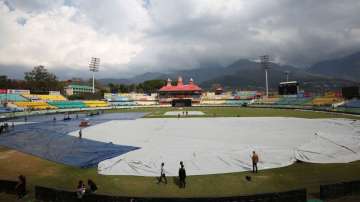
246 74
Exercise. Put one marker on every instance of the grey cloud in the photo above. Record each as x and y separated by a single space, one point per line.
187 34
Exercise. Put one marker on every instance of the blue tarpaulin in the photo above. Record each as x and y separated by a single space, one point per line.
48 139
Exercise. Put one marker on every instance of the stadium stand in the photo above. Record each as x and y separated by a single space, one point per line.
118 100
270 100
115 97
4 109
210 98
34 105
237 102
12 98
354 103
96 103
67 104
325 101
245 95
293 101
122 103
45 97
212 102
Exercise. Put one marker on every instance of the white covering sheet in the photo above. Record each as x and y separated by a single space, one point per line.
223 145
190 113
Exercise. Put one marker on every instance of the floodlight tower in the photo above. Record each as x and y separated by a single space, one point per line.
265 63
287 73
94 67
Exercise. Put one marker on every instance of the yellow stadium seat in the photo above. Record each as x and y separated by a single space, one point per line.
325 101
96 103
34 105
45 97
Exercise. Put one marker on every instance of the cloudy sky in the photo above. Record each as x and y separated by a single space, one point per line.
137 36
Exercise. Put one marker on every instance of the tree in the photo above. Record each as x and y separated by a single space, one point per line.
39 79
152 86
4 81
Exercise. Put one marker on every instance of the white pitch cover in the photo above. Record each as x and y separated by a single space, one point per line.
224 145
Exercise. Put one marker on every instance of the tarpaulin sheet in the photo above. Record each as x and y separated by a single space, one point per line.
221 145
49 139
332 147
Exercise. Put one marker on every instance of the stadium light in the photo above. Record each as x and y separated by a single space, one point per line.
287 75
265 63
94 67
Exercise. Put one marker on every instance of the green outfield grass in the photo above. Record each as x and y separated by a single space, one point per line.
240 112
298 175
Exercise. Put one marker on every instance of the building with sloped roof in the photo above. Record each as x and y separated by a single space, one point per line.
180 95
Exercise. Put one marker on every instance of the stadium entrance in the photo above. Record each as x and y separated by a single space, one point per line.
180 95
181 103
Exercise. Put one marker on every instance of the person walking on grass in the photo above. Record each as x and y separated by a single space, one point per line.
255 160
182 175
80 133
162 174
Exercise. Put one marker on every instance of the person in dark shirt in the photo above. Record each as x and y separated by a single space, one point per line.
91 186
182 175
255 160
6 127
21 187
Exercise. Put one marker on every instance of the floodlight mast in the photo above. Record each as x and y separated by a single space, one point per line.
287 75
265 63
94 67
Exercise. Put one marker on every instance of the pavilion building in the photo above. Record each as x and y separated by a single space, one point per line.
180 95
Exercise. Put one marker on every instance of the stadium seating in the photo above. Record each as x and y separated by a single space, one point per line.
321 101
45 97
34 105
67 104
237 102
12 98
118 100
245 95
122 103
3 109
96 103
212 102
354 103
267 100
116 97
293 101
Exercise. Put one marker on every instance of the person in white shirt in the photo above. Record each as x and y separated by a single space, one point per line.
162 174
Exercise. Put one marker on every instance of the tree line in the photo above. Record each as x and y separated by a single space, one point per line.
148 87
39 80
